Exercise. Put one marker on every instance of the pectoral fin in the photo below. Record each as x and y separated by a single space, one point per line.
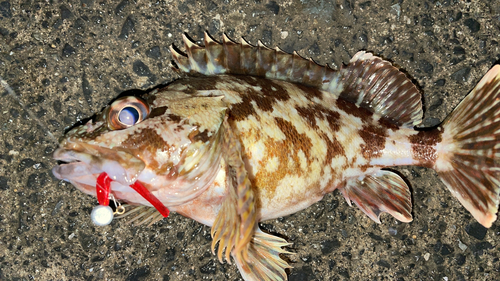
236 221
383 191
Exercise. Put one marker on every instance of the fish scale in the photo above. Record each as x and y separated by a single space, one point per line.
252 133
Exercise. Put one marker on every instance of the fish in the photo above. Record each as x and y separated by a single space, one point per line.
249 134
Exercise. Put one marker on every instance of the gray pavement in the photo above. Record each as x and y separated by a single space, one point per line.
67 59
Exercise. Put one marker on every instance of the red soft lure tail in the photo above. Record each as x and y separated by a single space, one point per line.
103 188
144 192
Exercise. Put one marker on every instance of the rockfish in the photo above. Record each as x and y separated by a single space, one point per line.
252 134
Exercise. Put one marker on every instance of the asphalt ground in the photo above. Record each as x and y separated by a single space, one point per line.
67 59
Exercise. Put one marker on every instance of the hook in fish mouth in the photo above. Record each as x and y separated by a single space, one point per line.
87 172
80 164
103 189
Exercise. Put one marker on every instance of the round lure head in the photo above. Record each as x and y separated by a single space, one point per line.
168 141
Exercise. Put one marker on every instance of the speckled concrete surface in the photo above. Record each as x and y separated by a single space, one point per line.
66 60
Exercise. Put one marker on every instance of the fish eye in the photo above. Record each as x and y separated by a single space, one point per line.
129 116
127 112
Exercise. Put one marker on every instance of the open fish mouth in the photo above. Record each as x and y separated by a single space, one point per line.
82 163
97 170
77 173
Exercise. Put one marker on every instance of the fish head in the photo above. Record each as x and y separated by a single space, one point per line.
169 141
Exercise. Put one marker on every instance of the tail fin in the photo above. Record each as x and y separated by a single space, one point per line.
469 154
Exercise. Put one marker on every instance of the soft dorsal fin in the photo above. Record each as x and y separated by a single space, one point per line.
368 81
371 82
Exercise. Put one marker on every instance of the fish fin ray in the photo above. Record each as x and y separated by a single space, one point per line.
469 154
235 223
230 57
382 191
140 215
264 262
376 85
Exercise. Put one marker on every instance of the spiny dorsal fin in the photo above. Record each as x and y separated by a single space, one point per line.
242 58
368 81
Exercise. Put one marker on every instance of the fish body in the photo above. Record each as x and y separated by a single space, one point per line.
296 153
253 134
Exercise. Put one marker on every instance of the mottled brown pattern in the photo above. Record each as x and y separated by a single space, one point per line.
196 135
278 94
148 140
333 118
426 155
286 152
174 118
159 111
263 102
334 148
374 138
265 99
308 114
352 109
312 112
195 84
422 145
310 92
389 124
178 128
295 140
150 97
427 137
265 182
145 139
363 168
242 110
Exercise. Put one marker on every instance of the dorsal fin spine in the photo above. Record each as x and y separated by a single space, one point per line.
247 54
283 64
233 51
214 55
182 61
193 54
265 61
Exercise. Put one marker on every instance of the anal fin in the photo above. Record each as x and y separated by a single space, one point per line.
382 191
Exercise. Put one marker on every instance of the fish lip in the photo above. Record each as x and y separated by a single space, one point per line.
91 160
65 156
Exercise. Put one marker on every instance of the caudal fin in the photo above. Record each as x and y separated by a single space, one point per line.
469 154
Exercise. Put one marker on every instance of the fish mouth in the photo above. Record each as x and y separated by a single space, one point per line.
85 166
81 164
